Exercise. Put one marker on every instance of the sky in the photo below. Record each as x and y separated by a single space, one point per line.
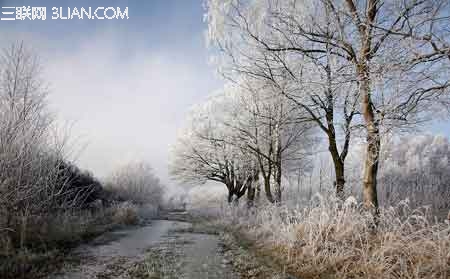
124 86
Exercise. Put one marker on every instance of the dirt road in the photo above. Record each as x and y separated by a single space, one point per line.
163 249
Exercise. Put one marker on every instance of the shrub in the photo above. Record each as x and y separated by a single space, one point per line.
125 213
137 183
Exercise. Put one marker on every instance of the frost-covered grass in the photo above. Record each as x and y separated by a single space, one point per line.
326 237
53 235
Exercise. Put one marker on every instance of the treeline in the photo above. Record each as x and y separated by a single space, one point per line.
340 71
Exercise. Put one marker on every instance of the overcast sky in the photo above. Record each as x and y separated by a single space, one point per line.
125 84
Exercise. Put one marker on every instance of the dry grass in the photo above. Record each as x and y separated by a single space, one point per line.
329 240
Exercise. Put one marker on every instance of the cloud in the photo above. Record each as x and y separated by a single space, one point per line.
126 100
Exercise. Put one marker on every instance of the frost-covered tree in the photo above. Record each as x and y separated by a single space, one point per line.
30 162
245 132
136 182
269 127
417 168
317 85
395 54
204 151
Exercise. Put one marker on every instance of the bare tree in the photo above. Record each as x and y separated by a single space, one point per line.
413 168
204 151
246 132
269 128
318 85
33 176
136 182
24 124
397 54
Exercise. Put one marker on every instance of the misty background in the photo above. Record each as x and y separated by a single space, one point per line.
126 85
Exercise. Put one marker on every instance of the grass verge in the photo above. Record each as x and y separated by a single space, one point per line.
52 238
327 239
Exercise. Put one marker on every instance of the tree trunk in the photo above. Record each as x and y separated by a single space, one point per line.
278 166
250 196
338 161
252 188
257 190
340 179
370 198
278 184
339 167
241 189
268 190
230 197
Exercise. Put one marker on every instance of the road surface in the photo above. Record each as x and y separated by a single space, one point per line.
162 249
